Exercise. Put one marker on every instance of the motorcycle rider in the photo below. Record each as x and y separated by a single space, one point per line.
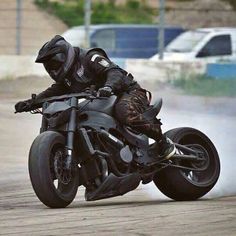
74 69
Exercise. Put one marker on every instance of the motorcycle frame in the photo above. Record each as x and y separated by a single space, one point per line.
71 126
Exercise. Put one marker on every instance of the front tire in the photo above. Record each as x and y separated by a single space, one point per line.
48 188
183 185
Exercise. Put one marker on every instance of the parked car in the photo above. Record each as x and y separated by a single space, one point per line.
205 44
122 41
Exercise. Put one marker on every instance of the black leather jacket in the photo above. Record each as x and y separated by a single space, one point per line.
92 67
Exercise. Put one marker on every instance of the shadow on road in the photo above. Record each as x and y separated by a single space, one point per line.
120 203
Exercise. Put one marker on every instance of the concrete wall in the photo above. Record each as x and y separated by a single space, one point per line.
15 66
146 70
142 69
37 27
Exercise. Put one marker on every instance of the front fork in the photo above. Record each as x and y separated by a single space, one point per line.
71 132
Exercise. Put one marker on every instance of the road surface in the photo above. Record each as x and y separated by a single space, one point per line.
142 212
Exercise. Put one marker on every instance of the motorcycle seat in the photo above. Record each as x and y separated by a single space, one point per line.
154 109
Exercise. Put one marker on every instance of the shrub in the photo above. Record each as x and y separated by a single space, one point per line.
207 86
72 12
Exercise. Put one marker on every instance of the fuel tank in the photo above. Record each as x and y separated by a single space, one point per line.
101 104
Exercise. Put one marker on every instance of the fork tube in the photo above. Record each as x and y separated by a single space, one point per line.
71 131
44 123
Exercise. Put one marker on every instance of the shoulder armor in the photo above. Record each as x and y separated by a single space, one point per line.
84 52
100 50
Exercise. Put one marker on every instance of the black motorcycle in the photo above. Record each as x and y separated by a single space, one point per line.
81 143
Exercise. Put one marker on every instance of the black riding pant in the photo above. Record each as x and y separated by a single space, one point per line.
130 111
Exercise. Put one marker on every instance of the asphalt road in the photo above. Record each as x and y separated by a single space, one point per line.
142 212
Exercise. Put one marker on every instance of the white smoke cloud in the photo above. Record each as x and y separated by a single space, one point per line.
221 129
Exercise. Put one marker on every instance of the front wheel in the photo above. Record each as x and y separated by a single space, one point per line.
183 184
52 185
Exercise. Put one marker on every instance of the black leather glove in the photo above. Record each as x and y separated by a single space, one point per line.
23 105
105 91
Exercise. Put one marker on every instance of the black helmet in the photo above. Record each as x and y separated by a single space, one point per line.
57 56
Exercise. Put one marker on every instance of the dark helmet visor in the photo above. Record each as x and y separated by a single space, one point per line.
55 62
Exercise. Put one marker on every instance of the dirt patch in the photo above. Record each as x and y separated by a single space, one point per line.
201 13
140 212
37 27
195 13
23 87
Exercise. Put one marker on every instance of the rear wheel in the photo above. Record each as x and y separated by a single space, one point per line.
55 186
183 184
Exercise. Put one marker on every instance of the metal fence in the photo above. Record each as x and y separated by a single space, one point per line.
24 27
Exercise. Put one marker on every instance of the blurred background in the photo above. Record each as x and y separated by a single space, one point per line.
193 38
182 50
26 24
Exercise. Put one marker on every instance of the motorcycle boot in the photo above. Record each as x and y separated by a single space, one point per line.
163 148
167 148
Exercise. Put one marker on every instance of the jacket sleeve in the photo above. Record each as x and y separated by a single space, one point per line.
104 68
56 89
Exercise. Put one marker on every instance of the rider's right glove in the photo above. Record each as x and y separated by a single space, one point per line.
23 105
105 91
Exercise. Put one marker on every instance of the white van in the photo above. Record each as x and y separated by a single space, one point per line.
203 44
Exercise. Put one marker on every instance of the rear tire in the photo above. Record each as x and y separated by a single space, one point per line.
183 185
47 187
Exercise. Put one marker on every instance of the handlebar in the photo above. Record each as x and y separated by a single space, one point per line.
63 97
39 102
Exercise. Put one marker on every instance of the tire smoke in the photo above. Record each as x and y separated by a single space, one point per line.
221 129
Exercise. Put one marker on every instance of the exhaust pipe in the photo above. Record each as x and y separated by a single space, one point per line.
125 154
112 139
